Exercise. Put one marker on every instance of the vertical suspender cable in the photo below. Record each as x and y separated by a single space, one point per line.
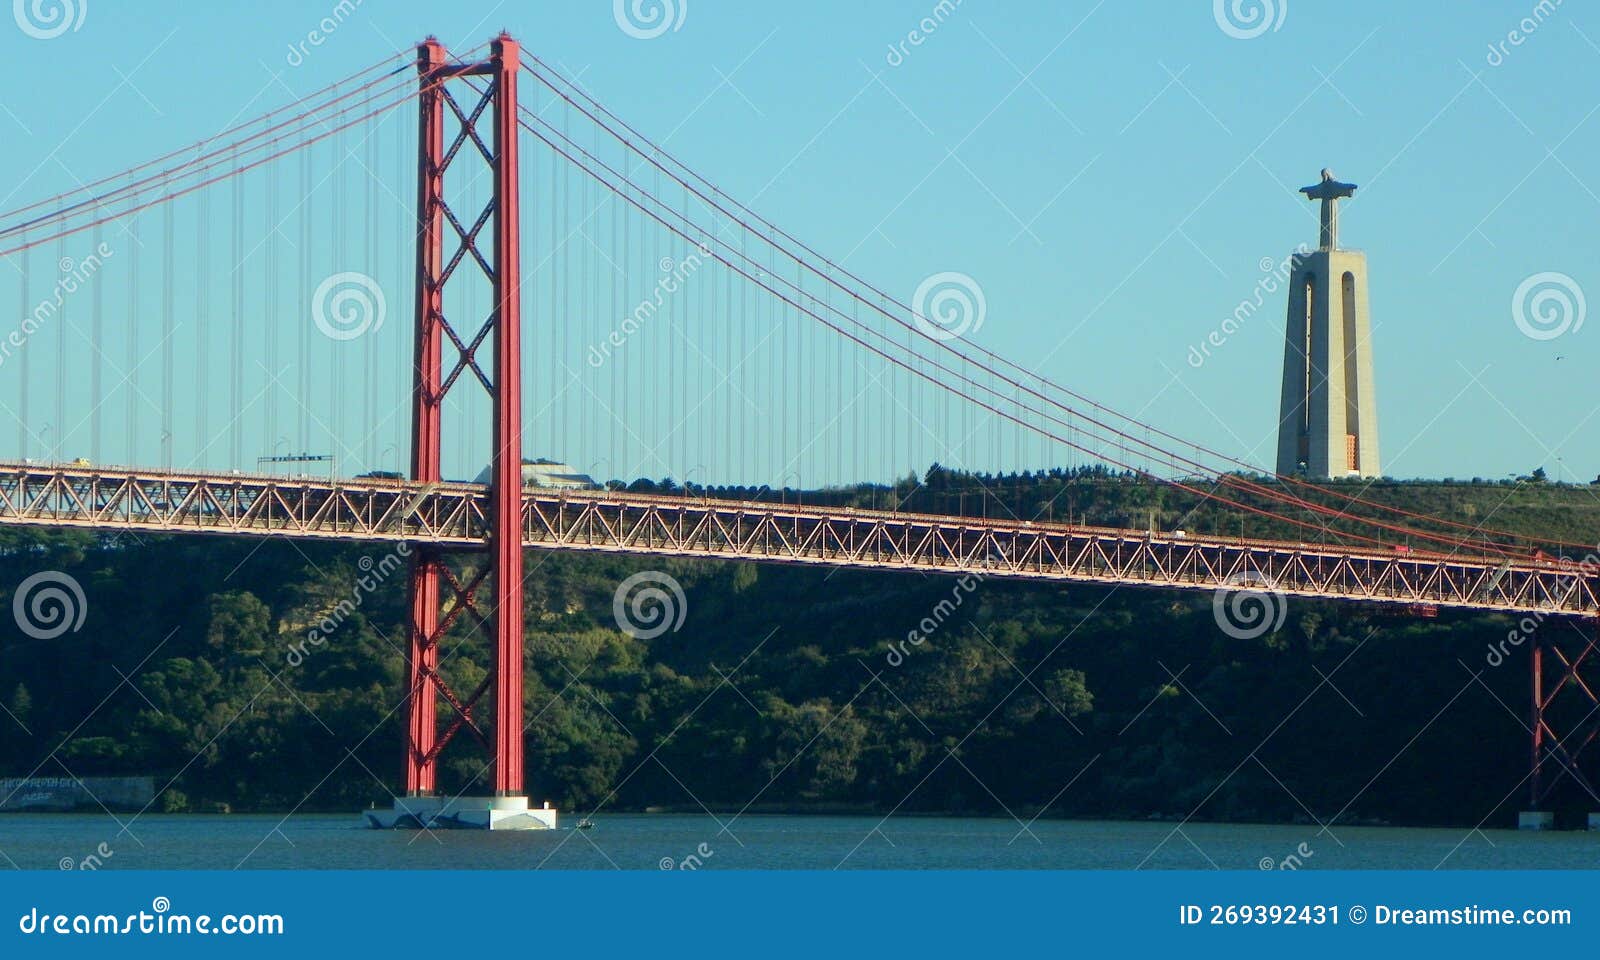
63 266
97 328
563 318
778 446
23 421
584 319
618 372
168 322
893 389
369 345
747 342
202 327
131 325
400 370
730 466
269 438
619 219
337 213
694 302
529 216
556 409
674 408
802 389
236 346
559 200
303 313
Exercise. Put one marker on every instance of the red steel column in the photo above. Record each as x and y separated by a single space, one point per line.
505 538
423 659
1536 715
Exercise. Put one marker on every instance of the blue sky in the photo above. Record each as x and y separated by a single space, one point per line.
1112 175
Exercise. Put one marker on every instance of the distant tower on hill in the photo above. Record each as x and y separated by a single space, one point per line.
1328 419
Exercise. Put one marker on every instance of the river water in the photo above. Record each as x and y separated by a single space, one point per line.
673 841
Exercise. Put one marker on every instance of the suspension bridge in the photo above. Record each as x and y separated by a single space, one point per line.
578 292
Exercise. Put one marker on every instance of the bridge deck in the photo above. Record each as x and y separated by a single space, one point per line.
116 499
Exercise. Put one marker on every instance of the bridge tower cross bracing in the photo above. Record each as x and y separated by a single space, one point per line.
1563 721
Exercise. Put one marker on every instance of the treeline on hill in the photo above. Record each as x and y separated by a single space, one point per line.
786 688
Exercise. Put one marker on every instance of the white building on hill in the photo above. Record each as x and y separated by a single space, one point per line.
548 473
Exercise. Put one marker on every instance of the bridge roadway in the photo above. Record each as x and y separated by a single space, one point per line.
111 499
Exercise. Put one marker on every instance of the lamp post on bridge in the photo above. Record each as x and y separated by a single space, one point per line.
688 489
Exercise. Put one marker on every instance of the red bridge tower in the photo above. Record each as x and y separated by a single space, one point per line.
500 618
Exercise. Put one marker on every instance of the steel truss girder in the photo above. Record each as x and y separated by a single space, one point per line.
446 515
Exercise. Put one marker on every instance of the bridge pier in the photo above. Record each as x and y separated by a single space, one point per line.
1561 733
463 813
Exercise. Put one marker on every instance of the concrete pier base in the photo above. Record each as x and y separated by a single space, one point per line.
462 813
1540 820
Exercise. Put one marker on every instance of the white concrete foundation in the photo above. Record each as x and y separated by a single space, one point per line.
1541 820
462 813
